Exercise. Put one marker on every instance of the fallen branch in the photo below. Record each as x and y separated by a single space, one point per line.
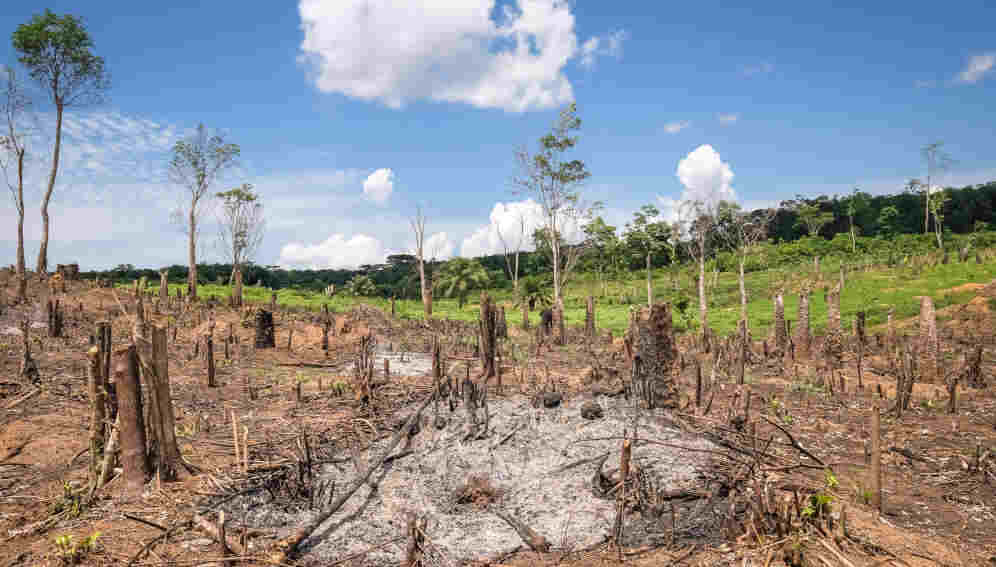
535 541
211 528
795 443
286 547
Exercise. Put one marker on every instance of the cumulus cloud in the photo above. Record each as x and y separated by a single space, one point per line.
379 185
706 178
514 222
730 118
977 67
599 46
675 127
438 246
334 252
395 52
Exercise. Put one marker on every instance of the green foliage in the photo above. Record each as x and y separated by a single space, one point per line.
534 292
812 219
460 276
57 51
70 552
361 286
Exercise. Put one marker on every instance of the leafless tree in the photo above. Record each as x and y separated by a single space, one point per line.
511 251
418 227
698 219
196 164
12 151
241 224
937 160
742 231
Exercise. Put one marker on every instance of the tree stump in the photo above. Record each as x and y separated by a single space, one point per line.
265 337
54 309
781 336
589 317
559 325
132 425
654 352
488 330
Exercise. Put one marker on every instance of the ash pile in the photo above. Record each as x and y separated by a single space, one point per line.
498 475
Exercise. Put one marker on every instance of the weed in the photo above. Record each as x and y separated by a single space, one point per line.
70 552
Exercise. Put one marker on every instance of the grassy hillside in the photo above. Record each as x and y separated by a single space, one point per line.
873 290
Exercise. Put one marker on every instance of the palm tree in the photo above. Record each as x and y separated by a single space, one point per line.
460 276
533 291
361 285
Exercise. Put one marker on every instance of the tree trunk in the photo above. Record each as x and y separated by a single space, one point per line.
525 315
488 326
192 253
164 288
589 317
650 290
929 345
426 288
651 332
781 337
703 307
133 442
22 281
555 252
157 380
559 325
265 337
42 266
237 288
743 293
97 414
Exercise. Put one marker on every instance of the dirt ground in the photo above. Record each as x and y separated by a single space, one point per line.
939 469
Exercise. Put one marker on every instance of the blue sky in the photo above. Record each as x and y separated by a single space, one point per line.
759 103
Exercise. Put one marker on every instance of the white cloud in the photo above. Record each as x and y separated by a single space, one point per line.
597 46
379 185
396 52
505 223
438 246
706 177
335 252
977 67
675 127
730 118
759 69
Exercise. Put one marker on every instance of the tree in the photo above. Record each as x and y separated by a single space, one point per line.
12 152
533 291
511 251
699 220
461 276
425 285
742 231
362 286
555 182
196 164
856 204
241 225
812 219
601 239
937 160
648 234
887 220
56 50
936 202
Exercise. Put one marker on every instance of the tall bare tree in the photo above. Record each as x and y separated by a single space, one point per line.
12 151
698 218
56 50
937 161
196 164
425 286
742 231
511 250
241 222
555 181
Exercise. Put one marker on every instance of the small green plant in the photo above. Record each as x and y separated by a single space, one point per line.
70 552
71 501
339 388
818 505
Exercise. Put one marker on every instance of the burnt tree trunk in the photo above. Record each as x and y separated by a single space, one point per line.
237 288
803 337
781 338
326 324
163 426
502 325
133 442
209 354
164 288
54 309
861 338
488 330
651 333
525 316
559 326
929 345
97 414
265 337
589 317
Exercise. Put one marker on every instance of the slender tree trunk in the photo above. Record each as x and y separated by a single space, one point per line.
555 249
854 241
926 207
426 289
237 288
650 289
192 253
42 266
743 291
22 283
703 307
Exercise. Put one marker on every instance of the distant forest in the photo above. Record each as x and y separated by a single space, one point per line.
876 218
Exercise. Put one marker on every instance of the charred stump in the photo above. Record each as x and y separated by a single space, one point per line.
265 337
132 423
654 353
559 325
781 336
589 317
488 331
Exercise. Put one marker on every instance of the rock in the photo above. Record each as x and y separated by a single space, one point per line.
591 410
552 399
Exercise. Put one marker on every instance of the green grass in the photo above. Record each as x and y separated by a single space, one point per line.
872 291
